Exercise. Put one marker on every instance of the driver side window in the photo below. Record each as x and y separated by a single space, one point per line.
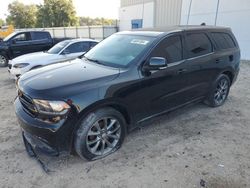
21 37
169 48
74 48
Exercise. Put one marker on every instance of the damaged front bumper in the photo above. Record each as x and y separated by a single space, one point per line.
53 140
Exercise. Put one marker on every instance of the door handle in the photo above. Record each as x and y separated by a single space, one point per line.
217 61
180 71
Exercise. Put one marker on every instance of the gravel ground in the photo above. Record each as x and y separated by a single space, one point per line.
196 146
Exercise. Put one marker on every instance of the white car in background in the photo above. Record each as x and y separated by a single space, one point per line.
63 51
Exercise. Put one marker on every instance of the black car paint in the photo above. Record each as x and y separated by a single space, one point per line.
12 49
136 93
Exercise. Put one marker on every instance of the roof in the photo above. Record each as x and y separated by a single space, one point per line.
79 40
154 32
83 40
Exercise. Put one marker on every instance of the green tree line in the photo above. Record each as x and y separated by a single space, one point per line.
52 13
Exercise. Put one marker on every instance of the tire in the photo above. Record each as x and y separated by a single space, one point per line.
94 143
3 60
219 91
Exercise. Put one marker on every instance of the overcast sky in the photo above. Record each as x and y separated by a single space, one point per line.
91 8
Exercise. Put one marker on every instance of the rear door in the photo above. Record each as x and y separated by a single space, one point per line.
199 59
41 41
227 51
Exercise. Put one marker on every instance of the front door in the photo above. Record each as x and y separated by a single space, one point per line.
21 44
165 89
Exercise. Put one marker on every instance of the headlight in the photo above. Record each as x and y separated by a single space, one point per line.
51 107
21 65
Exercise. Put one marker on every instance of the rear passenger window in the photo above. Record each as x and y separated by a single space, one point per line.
198 44
170 48
223 41
40 36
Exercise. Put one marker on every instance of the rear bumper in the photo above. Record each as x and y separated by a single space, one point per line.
51 139
236 75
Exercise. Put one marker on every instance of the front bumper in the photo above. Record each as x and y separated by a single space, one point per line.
51 139
16 72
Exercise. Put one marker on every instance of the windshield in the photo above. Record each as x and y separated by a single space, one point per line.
9 36
118 50
58 47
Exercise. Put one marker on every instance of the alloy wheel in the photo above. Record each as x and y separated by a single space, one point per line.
103 136
221 91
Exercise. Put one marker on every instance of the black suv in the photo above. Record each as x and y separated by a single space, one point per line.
88 105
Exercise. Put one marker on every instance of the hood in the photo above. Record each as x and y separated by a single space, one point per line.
34 57
66 79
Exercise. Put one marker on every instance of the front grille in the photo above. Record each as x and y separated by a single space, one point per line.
10 66
27 103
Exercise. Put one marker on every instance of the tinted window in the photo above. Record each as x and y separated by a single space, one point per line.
223 41
22 37
84 46
40 36
198 44
170 48
58 47
75 48
92 44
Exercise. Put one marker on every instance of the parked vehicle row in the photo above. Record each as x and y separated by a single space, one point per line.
88 105
62 51
19 43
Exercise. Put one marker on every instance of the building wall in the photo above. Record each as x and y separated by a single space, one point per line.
167 12
138 11
125 3
155 13
231 13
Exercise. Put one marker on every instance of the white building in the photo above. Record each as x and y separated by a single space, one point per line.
158 13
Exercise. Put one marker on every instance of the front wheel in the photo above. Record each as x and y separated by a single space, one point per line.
219 91
3 60
100 134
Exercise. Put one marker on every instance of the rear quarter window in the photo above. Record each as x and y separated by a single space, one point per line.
198 44
223 41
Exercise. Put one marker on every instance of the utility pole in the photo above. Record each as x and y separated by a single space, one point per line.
189 11
216 14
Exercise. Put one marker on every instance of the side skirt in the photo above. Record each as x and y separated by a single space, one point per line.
194 101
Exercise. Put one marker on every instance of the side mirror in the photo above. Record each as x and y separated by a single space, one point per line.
156 63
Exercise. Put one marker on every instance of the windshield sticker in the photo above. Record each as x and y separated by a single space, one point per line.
139 41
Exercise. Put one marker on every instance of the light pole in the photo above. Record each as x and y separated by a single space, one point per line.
189 11
216 14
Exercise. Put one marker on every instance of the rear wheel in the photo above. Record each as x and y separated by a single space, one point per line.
100 134
219 91
3 60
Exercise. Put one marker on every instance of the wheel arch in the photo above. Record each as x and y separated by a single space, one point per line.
102 104
230 74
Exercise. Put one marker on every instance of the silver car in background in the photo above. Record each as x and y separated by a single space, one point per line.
63 51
